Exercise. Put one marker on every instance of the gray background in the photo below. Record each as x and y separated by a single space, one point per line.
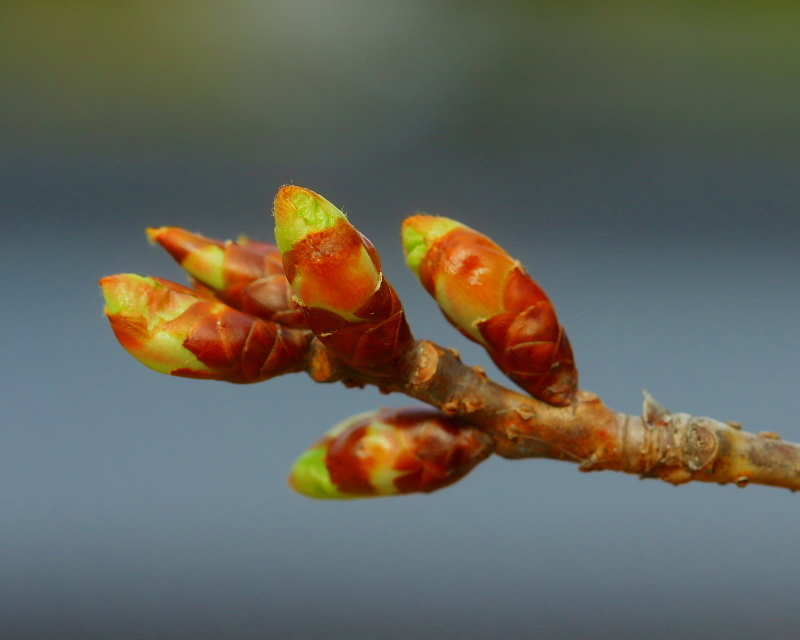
640 158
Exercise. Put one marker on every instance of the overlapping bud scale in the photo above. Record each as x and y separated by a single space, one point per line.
491 299
336 276
247 275
174 330
390 452
254 306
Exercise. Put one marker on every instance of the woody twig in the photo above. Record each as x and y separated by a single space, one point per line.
319 302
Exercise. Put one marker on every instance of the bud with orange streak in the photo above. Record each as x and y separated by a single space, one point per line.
247 275
492 300
390 452
337 280
173 330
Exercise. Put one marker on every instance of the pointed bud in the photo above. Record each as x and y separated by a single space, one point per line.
246 275
390 452
492 300
171 329
337 280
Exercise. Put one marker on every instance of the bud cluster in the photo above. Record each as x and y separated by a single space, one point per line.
255 309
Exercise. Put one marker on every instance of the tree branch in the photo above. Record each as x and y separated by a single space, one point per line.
241 324
675 447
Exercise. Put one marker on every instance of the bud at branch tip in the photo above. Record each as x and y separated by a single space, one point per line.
300 211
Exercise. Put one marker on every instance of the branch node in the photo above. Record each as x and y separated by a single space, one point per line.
452 407
700 447
653 412
454 352
525 411
472 404
426 364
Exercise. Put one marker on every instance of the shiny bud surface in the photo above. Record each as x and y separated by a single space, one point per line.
173 330
492 299
337 280
247 275
390 452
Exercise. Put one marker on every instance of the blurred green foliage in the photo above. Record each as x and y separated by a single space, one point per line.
361 72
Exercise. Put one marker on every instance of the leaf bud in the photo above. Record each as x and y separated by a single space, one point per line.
491 299
390 452
337 280
173 330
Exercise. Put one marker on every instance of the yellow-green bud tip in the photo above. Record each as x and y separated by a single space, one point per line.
130 294
420 232
298 212
126 292
310 477
141 311
153 233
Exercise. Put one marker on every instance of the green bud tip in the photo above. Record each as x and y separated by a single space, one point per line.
131 294
310 476
420 233
140 310
298 212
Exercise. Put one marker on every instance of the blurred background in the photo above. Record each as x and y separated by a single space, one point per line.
641 158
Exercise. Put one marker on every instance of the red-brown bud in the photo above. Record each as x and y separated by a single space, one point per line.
337 280
390 452
247 275
171 329
492 300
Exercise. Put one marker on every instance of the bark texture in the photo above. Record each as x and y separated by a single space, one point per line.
675 447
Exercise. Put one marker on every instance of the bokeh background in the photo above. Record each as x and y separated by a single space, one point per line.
641 158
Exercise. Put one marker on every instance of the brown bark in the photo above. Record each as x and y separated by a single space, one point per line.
674 447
